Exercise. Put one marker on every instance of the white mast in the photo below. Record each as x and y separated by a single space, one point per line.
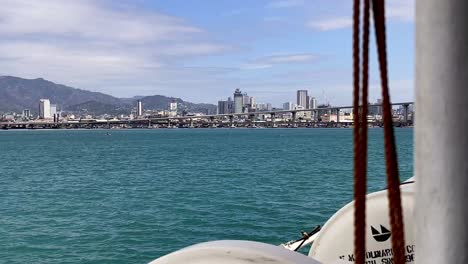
441 132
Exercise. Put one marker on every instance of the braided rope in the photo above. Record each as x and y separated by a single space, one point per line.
359 177
393 179
360 133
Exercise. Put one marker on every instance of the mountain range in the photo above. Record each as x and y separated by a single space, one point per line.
17 94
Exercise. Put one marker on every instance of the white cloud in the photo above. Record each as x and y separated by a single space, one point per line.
88 20
400 91
331 24
396 10
401 10
269 61
195 49
97 45
285 3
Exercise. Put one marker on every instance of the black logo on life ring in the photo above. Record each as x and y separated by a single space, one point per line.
381 236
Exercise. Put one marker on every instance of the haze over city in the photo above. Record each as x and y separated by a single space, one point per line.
200 51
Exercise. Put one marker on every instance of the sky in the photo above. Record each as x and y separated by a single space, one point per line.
201 50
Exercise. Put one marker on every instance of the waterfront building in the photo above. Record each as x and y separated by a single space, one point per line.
313 103
26 113
139 108
238 101
53 110
264 107
261 106
173 106
302 98
301 113
223 107
288 106
252 102
230 105
245 100
44 108
379 108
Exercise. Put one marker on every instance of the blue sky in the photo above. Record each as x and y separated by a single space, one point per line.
200 50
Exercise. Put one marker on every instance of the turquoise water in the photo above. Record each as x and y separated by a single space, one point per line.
81 196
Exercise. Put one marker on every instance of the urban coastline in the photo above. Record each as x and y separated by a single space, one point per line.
240 112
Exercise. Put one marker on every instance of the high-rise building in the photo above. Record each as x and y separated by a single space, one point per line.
139 108
26 113
238 101
302 98
173 106
264 107
261 107
313 103
288 106
252 102
230 105
223 107
245 99
44 108
53 110
379 108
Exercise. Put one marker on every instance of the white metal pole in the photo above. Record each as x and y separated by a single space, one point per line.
441 131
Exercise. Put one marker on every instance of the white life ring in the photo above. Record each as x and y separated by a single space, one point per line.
335 242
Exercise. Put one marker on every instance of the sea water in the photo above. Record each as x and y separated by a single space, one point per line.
130 196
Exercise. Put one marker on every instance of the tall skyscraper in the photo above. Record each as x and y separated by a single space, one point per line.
238 101
139 108
313 103
223 107
245 99
173 106
53 109
44 108
302 98
230 105
252 102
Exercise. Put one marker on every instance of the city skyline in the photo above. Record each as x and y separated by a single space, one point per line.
200 51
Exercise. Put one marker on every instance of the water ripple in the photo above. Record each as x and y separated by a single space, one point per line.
84 197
